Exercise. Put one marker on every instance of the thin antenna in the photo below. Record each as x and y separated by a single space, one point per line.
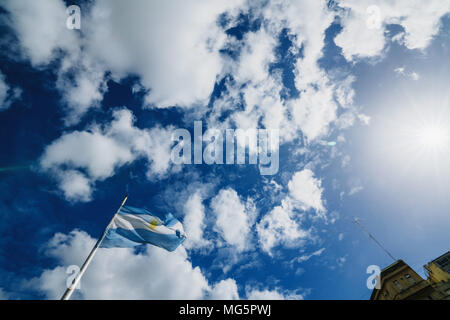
356 221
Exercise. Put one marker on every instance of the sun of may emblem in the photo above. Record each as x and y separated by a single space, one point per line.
153 223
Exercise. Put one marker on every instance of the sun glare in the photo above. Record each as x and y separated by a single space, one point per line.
433 137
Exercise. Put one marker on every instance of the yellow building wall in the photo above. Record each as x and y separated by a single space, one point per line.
437 274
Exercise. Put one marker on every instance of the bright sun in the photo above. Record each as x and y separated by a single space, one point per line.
410 132
432 137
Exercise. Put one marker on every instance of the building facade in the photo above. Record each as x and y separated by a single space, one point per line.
399 281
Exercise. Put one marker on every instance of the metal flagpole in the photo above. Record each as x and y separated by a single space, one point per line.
75 281
356 221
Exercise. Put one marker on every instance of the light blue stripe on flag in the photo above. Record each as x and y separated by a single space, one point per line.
133 210
135 226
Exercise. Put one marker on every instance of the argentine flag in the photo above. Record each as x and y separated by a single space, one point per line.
133 226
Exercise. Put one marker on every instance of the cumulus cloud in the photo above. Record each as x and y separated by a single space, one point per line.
120 274
307 20
306 190
256 56
75 186
314 111
234 218
81 89
258 89
274 294
42 33
281 226
174 48
95 154
278 227
364 22
224 290
193 222
254 87
41 28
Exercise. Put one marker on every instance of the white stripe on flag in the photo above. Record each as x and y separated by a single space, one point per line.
140 221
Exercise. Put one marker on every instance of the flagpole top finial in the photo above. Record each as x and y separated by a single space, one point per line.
124 200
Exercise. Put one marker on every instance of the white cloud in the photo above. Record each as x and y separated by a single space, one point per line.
281 225
304 258
402 72
83 92
101 150
193 222
224 290
99 154
415 76
120 274
314 111
355 190
175 51
275 294
307 20
363 33
233 218
279 228
354 186
75 185
306 190
356 39
256 56
254 87
365 119
173 47
341 261
41 28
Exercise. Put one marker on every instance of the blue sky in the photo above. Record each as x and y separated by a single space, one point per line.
87 116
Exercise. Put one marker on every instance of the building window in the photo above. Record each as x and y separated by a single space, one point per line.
410 279
398 285
443 263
